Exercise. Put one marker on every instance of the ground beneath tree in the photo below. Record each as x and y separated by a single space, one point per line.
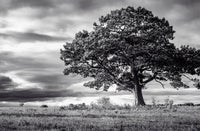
145 118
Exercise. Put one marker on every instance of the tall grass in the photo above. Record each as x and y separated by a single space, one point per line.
145 118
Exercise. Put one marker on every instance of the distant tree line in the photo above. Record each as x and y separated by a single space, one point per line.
104 103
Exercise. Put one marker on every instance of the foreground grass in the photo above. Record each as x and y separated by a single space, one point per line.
150 119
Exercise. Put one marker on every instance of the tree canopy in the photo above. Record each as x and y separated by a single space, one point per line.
129 48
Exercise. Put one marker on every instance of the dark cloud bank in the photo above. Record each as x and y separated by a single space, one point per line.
9 92
49 82
27 95
6 83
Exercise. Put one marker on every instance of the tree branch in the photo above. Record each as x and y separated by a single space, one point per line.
160 83
145 69
113 77
187 77
117 81
150 79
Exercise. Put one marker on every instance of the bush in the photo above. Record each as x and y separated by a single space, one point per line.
153 100
188 104
77 106
94 106
21 104
44 106
102 104
63 108
105 103
127 107
166 101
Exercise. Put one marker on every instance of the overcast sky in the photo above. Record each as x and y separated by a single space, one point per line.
32 32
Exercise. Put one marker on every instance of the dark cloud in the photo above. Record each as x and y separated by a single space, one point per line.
7 5
171 3
6 83
186 2
45 75
32 3
11 62
87 5
184 10
77 6
51 81
35 94
31 37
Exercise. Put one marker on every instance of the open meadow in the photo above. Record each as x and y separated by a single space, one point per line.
179 118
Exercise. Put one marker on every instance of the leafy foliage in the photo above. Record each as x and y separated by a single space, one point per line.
129 47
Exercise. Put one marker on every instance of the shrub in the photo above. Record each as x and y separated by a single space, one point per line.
94 105
21 104
82 106
166 102
153 100
105 103
127 107
171 102
63 108
44 106
188 104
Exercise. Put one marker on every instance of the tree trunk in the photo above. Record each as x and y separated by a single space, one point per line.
139 100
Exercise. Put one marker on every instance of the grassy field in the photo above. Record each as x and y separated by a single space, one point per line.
146 118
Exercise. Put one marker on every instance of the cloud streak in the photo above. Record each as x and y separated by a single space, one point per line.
31 37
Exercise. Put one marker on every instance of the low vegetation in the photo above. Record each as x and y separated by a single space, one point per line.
184 118
101 116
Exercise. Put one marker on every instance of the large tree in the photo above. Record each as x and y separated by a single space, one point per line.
129 48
